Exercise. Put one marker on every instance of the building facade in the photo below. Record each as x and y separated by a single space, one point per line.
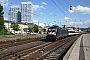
26 12
14 14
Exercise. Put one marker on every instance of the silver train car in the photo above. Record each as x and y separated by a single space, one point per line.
56 32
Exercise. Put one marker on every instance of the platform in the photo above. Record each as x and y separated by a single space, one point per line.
80 50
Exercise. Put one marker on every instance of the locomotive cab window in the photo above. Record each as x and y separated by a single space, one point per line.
51 30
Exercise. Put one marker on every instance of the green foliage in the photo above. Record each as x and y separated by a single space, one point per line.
1 18
5 32
25 29
30 29
15 26
35 28
18 38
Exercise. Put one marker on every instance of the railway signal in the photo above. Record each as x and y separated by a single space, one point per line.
70 7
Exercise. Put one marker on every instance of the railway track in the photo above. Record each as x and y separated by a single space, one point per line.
7 44
30 51
52 51
21 50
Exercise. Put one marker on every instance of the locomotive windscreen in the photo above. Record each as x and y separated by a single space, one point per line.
51 30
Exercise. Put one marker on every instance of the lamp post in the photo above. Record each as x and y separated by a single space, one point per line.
8 19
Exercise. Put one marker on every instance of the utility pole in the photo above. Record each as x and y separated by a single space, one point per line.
38 23
8 19
38 26
45 24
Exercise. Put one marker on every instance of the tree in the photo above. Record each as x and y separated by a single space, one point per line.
30 29
35 28
25 29
3 30
1 18
15 26
44 30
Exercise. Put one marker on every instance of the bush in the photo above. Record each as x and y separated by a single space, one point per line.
5 32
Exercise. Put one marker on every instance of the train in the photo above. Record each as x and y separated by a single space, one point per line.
73 32
55 32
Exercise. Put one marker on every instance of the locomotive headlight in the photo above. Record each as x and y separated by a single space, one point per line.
52 33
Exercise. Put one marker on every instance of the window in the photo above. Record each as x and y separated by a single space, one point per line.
51 30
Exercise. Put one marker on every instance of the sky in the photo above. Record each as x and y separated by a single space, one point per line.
49 12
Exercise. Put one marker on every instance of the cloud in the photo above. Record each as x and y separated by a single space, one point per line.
38 7
76 23
42 25
66 18
35 7
5 18
80 9
4 2
42 7
85 23
44 3
35 20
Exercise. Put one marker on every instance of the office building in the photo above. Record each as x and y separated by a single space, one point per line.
26 12
14 14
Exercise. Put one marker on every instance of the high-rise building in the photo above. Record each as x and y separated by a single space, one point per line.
26 12
14 14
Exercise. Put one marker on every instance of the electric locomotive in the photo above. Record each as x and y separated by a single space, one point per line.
56 32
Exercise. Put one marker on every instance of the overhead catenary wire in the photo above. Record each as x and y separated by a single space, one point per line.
59 8
61 4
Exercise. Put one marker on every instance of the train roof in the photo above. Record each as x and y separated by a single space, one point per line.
71 30
55 26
